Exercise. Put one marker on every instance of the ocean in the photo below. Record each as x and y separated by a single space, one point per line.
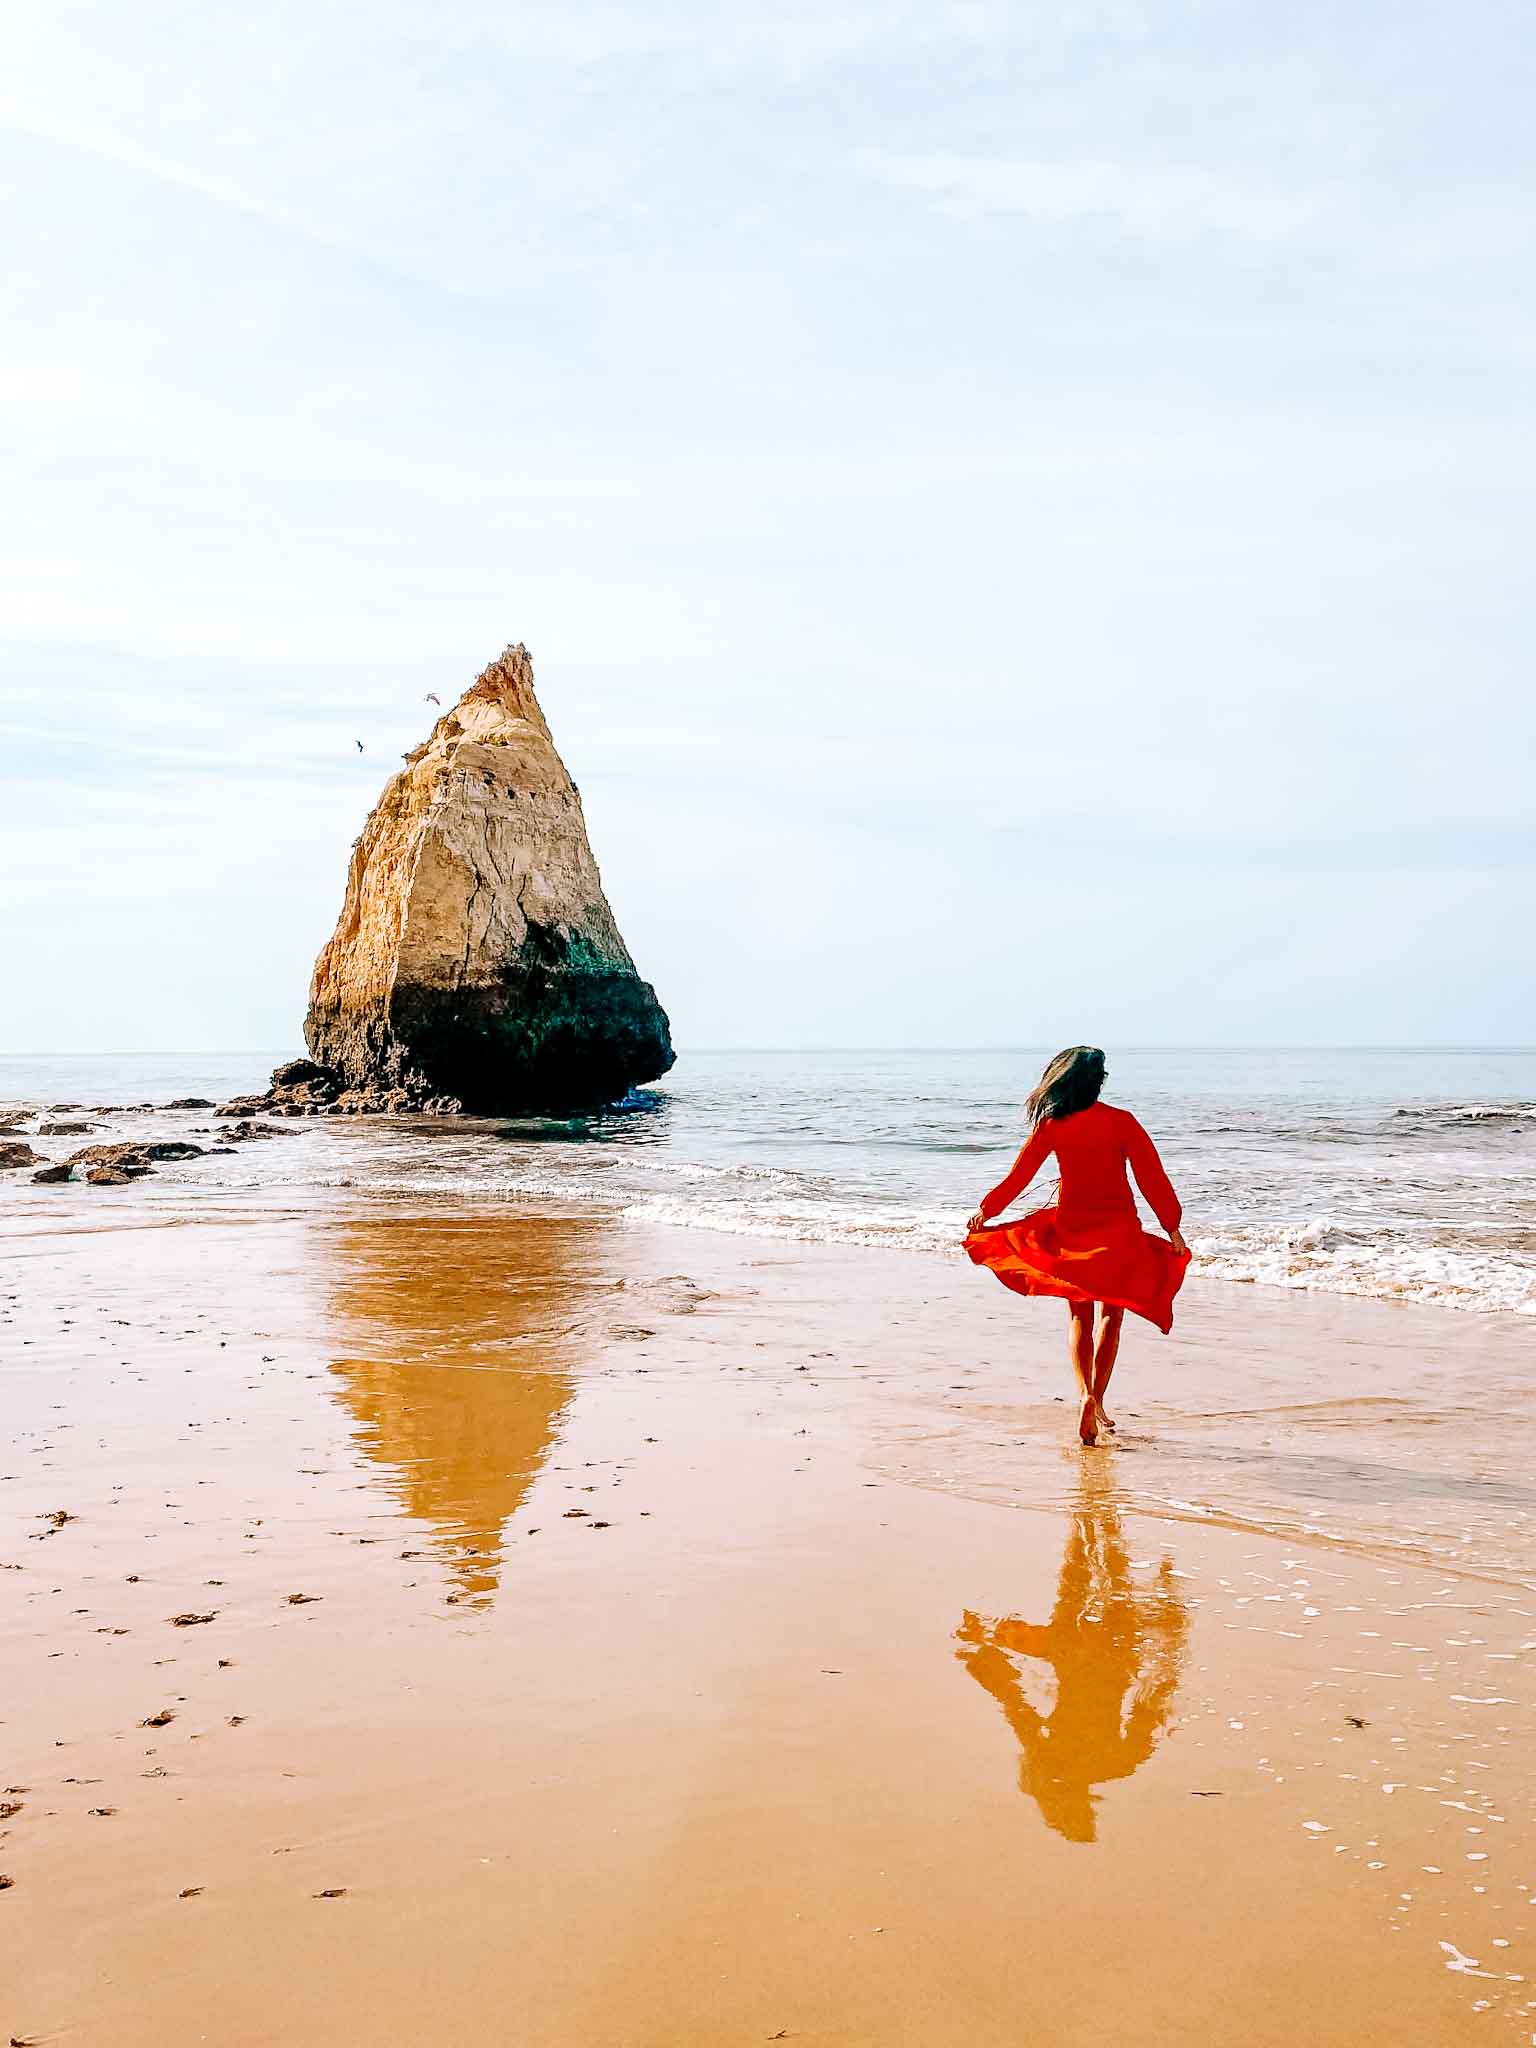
1399 1174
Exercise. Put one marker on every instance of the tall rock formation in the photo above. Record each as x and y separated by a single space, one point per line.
476 955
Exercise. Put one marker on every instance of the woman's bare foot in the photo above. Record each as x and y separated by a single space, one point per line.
1104 1421
1087 1420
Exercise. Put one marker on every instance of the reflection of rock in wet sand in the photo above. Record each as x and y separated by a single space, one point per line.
456 1371
1115 1651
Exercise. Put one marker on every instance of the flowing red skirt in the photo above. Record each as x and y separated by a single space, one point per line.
1116 1262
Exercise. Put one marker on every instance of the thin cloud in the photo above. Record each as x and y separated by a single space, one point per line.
790 39
131 156
1156 202
92 140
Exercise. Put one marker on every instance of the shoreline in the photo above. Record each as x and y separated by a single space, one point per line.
1354 1179
688 1626
1287 1374
42 1207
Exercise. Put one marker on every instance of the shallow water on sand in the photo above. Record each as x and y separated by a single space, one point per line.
1398 1175
1389 1432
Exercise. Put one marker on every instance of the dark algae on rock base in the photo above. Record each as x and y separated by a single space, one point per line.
476 962
564 1028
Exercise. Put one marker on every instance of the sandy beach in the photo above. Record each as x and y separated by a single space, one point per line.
671 669
465 1625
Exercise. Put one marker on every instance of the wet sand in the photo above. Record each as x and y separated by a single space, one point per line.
704 1641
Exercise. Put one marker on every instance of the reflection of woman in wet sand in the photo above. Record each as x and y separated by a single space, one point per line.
1117 1652
1088 1248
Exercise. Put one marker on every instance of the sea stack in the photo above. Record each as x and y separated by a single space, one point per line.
476 957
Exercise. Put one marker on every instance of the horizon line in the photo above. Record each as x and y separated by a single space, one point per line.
1293 1045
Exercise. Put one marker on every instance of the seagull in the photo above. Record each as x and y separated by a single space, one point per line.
433 697
359 746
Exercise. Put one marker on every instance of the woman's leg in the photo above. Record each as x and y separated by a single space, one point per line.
1105 1352
1080 1344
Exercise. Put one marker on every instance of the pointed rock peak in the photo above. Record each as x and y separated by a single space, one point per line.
508 682
508 677
498 703
476 956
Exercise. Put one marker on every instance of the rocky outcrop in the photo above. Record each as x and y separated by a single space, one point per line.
476 957
16 1154
330 1096
135 1157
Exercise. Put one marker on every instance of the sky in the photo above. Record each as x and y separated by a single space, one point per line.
1021 514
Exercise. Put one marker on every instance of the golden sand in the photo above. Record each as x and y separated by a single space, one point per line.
623 1639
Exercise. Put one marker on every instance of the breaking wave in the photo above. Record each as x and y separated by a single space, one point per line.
1400 1178
1322 1255
1459 1114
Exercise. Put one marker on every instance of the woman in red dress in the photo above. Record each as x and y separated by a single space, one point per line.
1089 1247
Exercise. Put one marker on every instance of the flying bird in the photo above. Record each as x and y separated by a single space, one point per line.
359 746
433 697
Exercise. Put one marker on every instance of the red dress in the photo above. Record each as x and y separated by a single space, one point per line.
1090 1245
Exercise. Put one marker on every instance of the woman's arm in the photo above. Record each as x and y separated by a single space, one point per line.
1154 1182
1018 1178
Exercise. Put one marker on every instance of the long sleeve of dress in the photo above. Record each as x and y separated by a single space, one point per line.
1154 1183
1021 1173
